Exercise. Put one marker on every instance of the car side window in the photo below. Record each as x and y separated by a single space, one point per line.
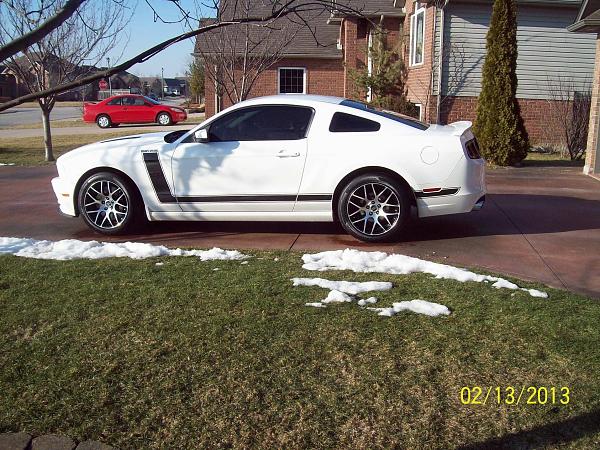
262 123
348 123
132 101
115 102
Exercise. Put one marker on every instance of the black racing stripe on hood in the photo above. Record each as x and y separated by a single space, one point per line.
121 139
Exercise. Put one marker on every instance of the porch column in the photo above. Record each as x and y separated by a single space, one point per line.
591 161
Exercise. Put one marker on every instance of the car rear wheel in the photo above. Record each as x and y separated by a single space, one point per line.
110 204
373 208
164 119
103 121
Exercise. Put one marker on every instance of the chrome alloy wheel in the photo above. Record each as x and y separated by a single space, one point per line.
103 122
164 119
373 209
106 204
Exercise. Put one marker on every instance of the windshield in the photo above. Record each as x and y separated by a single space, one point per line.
152 100
392 115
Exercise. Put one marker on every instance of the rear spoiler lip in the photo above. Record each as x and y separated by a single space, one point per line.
460 127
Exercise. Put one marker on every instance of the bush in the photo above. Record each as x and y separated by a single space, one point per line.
499 125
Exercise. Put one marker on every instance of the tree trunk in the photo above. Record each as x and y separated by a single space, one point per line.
47 135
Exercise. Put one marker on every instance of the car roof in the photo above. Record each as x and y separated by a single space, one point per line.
292 99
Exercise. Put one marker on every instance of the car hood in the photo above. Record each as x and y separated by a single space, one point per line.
120 143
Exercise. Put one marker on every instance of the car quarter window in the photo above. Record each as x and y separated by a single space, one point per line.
115 102
262 123
348 123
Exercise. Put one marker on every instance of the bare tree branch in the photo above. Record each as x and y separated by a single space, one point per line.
21 43
280 9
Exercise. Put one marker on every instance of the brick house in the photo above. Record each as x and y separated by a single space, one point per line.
443 43
588 21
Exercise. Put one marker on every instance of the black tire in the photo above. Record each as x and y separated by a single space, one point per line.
103 121
164 118
110 204
366 201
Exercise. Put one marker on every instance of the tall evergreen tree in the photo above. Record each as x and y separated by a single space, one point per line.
499 125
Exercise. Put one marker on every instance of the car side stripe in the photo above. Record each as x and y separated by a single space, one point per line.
163 192
157 177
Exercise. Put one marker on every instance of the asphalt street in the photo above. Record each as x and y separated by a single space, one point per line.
29 116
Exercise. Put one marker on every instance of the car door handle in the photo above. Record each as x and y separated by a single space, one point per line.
287 154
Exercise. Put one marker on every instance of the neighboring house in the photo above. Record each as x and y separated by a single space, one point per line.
444 47
25 73
588 21
18 86
8 84
175 86
120 83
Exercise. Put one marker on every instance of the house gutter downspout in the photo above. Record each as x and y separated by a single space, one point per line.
440 63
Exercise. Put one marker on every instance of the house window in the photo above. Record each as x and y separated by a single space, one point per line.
417 35
419 110
292 80
370 64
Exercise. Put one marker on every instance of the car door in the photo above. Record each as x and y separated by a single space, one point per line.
134 110
253 161
114 109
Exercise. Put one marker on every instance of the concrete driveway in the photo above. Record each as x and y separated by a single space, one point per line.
539 224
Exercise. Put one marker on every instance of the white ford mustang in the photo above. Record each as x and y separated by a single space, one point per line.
279 158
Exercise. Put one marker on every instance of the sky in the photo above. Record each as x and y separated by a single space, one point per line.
145 33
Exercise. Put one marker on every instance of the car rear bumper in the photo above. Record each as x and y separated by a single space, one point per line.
469 177
64 196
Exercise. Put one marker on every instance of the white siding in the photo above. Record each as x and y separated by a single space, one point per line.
546 49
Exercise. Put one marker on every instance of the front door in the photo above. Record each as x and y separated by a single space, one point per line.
253 161
136 110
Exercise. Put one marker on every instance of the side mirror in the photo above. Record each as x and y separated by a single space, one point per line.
201 135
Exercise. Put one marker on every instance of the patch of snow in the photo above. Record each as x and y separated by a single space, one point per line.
275 259
386 312
349 287
316 305
416 306
337 297
74 249
536 293
369 262
367 301
243 263
7 164
215 269
159 264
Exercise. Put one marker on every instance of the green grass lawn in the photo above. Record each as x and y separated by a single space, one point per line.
181 356
30 151
538 159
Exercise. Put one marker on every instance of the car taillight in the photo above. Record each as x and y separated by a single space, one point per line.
472 148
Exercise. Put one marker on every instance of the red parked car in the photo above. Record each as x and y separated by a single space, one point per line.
131 109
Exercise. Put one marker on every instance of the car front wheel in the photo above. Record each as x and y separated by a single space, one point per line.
164 119
103 121
109 204
373 208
